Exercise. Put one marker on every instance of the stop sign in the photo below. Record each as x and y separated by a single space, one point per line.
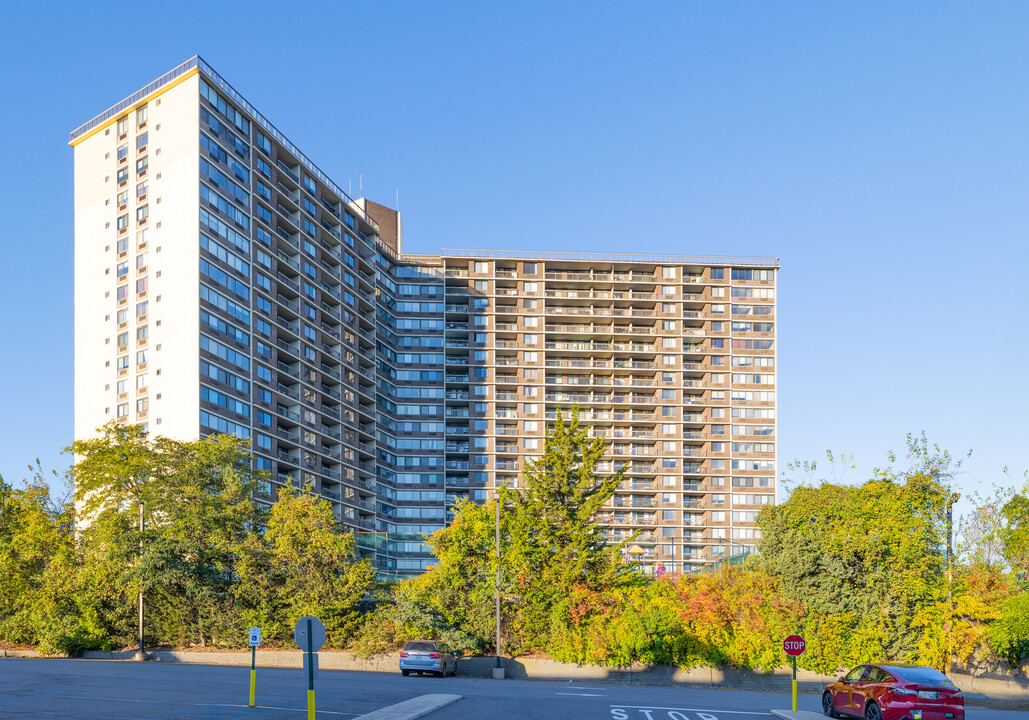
794 645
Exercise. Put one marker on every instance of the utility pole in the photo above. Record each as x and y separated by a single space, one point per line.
140 654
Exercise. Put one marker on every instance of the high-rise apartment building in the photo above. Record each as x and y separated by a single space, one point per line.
223 283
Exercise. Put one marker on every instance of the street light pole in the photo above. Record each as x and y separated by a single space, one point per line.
140 654
497 582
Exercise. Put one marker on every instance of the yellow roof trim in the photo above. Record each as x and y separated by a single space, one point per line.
142 101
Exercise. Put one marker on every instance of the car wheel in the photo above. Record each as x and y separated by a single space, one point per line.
872 712
405 673
828 706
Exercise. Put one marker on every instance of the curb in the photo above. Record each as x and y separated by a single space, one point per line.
413 708
797 715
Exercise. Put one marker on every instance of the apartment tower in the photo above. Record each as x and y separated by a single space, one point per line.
225 284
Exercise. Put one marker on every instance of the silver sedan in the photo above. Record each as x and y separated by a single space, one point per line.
428 656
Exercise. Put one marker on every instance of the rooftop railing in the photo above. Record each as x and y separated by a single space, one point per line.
612 257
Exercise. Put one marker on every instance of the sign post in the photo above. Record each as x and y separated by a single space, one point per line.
794 646
255 642
309 634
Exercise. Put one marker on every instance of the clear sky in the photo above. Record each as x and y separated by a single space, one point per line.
879 149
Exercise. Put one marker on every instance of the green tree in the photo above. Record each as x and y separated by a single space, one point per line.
552 543
304 564
196 498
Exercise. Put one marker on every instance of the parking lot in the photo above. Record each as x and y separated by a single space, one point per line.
95 689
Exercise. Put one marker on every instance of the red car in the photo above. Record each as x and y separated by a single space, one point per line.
894 691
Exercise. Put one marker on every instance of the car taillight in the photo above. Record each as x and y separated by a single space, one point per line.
434 656
403 654
902 691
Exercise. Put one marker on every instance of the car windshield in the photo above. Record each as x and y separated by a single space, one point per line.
920 675
420 647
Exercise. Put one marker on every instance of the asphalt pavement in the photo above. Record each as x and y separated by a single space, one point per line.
95 689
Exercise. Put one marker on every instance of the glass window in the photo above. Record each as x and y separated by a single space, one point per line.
855 674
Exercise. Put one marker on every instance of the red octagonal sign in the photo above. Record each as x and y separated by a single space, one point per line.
794 645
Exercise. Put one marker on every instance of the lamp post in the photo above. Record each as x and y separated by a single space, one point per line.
140 654
498 671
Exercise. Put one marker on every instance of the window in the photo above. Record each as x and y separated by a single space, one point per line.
481 267
141 357
141 141
529 268
123 339
141 165
123 410
141 115
668 289
530 408
532 321
123 152
482 285
532 443
123 175
123 221
529 339
531 425
668 342
668 272
142 213
529 287
717 273
530 356
123 126
141 286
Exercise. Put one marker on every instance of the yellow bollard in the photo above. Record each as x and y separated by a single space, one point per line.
310 705
253 673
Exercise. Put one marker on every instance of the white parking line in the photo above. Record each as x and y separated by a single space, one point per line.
582 694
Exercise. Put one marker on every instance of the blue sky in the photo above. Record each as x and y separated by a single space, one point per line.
878 149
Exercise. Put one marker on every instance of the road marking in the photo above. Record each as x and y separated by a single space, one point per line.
703 710
581 694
